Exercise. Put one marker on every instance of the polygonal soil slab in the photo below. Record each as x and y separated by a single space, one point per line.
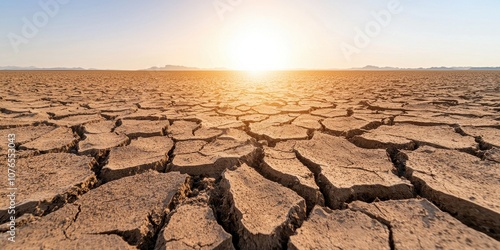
22 135
97 144
459 183
329 112
99 127
308 121
193 226
26 134
144 114
253 118
65 111
230 112
276 120
57 140
47 181
369 115
138 128
181 128
76 120
315 104
435 119
111 209
9 107
140 155
340 229
186 130
283 167
212 158
263 212
276 133
219 122
56 240
406 136
190 146
350 173
418 224
266 110
291 108
23 120
154 104
347 126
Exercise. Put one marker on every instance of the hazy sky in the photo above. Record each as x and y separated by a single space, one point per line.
243 33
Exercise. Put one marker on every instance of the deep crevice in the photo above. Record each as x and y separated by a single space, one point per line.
102 159
260 164
218 204
180 196
171 155
398 159
419 185
316 170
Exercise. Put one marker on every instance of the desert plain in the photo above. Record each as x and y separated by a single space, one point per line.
231 160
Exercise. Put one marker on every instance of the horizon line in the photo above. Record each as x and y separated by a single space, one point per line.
189 68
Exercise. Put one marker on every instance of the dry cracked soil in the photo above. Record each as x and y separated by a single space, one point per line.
226 160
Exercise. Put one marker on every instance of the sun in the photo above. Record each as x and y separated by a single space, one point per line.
258 49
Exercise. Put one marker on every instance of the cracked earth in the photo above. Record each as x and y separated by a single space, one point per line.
223 160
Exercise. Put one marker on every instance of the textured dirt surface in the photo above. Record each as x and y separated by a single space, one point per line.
229 160
352 173
194 227
460 183
110 209
263 212
418 224
337 229
140 155
49 181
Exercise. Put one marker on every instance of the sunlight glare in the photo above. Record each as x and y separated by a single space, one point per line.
259 48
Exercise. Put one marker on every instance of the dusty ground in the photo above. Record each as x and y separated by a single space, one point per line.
218 160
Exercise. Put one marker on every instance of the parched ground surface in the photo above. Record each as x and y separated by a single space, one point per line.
228 160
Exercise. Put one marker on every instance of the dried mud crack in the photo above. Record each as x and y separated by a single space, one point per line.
218 160
462 185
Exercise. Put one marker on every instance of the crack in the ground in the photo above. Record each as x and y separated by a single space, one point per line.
117 124
383 222
195 129
219 205
73 220
395 154
171 155
316 170
422 189
302 191
178 198
102 159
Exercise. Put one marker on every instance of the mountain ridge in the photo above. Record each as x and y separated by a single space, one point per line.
187 68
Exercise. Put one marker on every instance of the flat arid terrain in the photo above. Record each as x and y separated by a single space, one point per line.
231 160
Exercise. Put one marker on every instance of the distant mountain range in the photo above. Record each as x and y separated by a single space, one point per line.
371 67
36 68
172 67
180 68
185 68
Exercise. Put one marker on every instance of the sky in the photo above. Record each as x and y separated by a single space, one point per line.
249 34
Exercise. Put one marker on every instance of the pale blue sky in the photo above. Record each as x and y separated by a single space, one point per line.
307 34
